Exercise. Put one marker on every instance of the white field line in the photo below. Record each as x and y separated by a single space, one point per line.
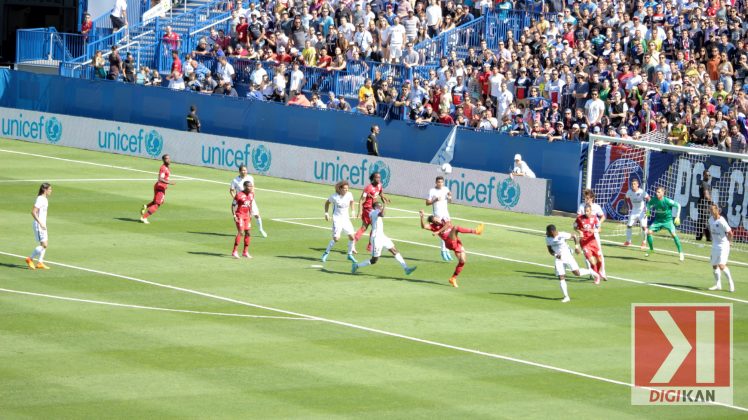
496 257
510 227
284 219
150 308
363 328
9 181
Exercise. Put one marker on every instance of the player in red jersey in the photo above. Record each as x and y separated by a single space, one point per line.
159 190
587 225
241 208
448 233
366 204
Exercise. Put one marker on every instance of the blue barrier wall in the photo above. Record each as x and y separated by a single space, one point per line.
331 130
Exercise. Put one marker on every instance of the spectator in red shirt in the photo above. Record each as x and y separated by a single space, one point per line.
86 26
445 118
171 39
176 65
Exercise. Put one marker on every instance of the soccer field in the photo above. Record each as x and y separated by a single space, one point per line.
158 320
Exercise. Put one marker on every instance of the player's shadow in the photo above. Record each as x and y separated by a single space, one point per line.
365 255
127 219
8 265
525 295
299 257
208 254
684 286
550 276
380 277
621 257
223 235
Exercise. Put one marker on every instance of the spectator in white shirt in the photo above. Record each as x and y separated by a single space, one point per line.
521 168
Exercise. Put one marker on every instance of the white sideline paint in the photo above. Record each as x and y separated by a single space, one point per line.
187 178
496 257
363 328
150 308
9 181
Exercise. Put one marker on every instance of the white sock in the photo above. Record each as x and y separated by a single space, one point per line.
363 263
400 259
628 234
729 278
36 252
717 277
351 245
589 267
644 235
564 290
41 253
259 222
329 246
444 247
585 271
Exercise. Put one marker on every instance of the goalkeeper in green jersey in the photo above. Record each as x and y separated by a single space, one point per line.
663 209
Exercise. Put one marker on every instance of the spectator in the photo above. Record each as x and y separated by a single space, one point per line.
119 15
129 67
86 26
115 64
98 62
521 168
298 99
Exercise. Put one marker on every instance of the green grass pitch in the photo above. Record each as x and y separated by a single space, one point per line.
199 334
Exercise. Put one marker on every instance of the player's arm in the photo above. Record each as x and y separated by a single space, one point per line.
576 244
162 179
676 205
234 207
353 208
327 210
550 251
431 200
35 215
446 226
423 219
385 200
449 196
361 204
232 191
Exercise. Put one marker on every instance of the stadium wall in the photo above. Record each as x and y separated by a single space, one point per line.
470 187
559 162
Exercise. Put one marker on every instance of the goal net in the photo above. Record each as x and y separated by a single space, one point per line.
679 170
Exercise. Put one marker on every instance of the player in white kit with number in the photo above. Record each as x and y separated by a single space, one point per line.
557 246
439 197
343 204
637 200
39 213
721 239
238 185
380 241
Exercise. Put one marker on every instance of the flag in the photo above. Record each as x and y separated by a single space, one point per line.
445 154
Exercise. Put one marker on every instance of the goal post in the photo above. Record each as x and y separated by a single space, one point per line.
613 162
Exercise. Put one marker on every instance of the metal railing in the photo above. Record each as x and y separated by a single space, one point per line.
458 39
47 44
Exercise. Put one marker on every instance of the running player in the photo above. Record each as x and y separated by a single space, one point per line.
448 233
586 225
380 241
342 202
241 207
663 208
637 200
556 243
39 213
159 190
721 239
237 185
589 198
366 205
438 198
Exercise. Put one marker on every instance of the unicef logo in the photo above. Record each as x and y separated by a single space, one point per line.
384 172
508 193
154 143
53 130
261 158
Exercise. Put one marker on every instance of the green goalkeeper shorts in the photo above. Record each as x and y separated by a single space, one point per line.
668 225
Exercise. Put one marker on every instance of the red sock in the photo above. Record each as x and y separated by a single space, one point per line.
360 232
599 267
151 209
236 241
246 243
461 229
458 269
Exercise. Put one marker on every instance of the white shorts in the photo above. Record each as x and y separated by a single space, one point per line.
720 253
255 208
379 243
40 234
637 217
444 216
396 51
343 225
566 260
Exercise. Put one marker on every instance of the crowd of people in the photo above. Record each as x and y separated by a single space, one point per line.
622 69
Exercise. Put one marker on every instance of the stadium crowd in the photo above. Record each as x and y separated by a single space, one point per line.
623 69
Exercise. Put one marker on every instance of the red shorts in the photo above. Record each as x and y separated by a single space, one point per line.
365 216
159 194
243 223
591 248
454 244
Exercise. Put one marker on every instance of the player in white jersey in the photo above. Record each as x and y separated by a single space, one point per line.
380 241
439 197
721 239
556 243
637 200
589 199
39 213
238 185
342 207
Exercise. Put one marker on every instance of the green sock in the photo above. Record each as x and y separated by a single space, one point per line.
651 242
677 244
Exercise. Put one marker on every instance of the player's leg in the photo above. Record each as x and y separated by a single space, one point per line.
728 274
560 269
256 214
158 200
376 252
650 239
247 240
238 238
38 253
461 260
444 251
348 230
674 234
600 258
399 258
337 229
477 231
643 224
629 225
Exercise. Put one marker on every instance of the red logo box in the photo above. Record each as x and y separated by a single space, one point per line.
681 354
